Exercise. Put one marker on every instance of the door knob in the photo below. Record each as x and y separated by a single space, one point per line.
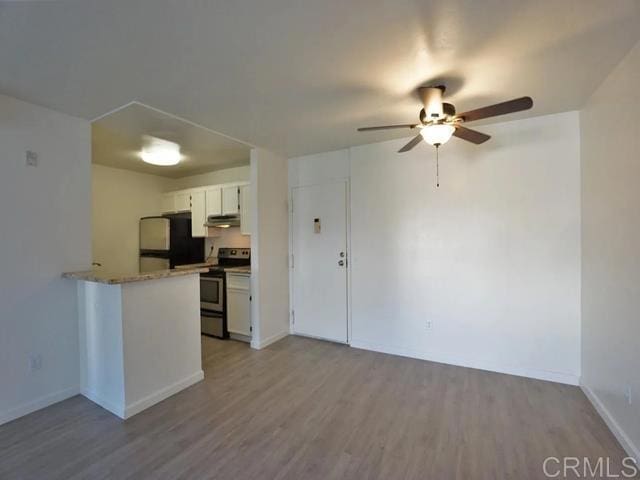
341 263
342 254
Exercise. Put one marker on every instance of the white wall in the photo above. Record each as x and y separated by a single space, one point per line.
491 258
610 242
269 248
120 199
45 212
228 237
320 168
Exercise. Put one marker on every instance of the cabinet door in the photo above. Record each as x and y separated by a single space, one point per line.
245 209
182 201
238 305
168 203
230 200
214 201
198 214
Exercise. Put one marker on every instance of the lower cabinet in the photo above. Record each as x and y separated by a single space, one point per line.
239 306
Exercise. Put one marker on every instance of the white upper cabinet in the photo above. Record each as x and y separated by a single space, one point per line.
198 214
214 200
183 201
230 200
245 209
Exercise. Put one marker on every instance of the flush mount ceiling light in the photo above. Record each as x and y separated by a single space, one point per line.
160 152
437 134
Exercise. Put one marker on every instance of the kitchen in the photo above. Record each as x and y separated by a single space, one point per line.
172 237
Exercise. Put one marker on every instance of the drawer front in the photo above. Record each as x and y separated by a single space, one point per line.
239 282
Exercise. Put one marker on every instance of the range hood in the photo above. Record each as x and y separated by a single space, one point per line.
223 221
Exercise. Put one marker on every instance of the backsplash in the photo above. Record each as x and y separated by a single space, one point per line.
229 237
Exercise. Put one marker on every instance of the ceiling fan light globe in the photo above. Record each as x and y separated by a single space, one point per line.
438 134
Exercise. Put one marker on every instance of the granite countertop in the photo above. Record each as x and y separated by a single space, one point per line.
244 270
108 278
211 263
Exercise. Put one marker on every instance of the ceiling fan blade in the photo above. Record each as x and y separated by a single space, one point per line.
414 141
469 135
511 106
387 127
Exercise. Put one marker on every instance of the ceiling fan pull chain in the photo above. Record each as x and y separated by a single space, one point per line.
437 167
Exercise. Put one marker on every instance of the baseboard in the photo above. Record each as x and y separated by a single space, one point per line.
117 410
259 344
322 339
629 447
156 397
239 337
37 404
439 357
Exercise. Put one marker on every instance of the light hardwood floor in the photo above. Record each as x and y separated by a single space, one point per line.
306 409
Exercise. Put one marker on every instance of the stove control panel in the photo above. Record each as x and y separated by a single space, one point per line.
234 253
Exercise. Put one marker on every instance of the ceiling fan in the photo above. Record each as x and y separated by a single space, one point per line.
439 121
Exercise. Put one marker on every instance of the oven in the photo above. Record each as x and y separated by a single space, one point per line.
212 324
212 299
212 291
213 295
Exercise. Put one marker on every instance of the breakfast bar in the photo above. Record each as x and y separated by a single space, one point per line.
139 336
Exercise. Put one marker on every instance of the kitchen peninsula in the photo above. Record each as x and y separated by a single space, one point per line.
139 336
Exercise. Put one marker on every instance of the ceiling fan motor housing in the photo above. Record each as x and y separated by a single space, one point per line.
432 101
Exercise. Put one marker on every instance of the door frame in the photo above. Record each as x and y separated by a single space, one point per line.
347 184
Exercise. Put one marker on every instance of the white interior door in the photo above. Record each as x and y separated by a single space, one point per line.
319 274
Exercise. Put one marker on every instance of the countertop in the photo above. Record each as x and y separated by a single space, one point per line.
118 278
239 270
243 270
211 263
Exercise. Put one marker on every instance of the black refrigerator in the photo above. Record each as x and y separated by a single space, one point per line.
166 242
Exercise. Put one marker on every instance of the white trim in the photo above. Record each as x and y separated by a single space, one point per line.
117 410
628 445
37 404
159 395
259 344
240 337
323 339
468 362
126 411
181 119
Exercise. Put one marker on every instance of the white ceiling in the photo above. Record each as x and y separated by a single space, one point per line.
299 76
117 139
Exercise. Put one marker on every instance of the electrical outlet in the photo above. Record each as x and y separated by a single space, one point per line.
31 158
35 362
429 325
627 394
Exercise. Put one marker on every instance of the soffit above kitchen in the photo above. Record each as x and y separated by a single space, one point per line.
300 76
119 137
